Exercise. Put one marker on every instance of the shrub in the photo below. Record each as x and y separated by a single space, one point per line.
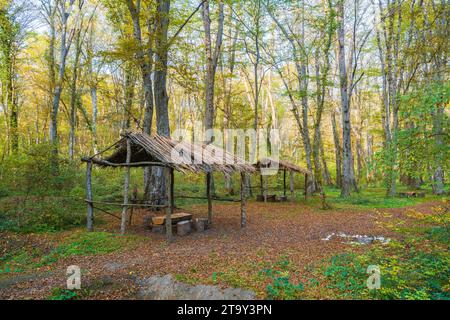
414 268
281 288
37 193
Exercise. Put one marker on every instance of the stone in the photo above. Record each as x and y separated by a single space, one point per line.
166 288
114 266
158 229
200 224
183 228
147 221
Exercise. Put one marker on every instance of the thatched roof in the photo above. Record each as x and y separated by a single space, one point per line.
269 163
182 156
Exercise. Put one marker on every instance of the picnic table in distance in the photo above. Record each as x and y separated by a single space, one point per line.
176 217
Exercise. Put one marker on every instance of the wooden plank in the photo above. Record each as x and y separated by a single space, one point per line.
175 217
128 204
131 164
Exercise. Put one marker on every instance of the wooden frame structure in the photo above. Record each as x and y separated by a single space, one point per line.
141 150
270 164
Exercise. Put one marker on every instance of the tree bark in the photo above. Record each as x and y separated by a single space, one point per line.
337 150
74 95
126 186
348 176
212 57
157 180
64 50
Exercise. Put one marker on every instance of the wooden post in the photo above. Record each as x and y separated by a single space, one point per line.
265 188
291 185
284 182
261 183
243 209
134 200
170 202
208 195
90 205
172 184
306 186
126 186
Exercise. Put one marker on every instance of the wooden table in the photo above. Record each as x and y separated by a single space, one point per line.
176 217
412 194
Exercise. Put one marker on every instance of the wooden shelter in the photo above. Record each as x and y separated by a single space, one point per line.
266 165
141 150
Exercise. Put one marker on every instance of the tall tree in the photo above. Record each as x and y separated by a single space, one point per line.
345 104
322 53
157 180
295 34
13 31
212 58
64 10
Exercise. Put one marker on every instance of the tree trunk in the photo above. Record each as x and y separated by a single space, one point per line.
157 180
212 58
74 95
64 49
126 185
345 105
337 150
145 60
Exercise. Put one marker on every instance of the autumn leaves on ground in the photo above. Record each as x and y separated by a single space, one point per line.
281 254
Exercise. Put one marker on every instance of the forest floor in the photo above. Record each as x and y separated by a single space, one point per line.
281 241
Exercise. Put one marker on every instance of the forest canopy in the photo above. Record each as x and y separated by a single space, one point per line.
358 89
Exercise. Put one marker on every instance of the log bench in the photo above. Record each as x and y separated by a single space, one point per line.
176 217
409 194
269 197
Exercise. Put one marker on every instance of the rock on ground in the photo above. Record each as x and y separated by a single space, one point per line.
167 288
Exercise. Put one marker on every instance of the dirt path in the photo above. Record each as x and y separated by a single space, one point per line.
274 229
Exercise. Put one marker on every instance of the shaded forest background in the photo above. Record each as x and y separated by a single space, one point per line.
358 89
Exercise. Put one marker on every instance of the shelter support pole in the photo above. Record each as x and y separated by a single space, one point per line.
208 195
170 200
306 186
265 188
243 208
126 186
90 205
284 182
291 184
261 183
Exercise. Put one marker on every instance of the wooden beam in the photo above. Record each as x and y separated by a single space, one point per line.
284 182
90 206
126 186
265 188
208 196
169 211
128 204
261 183
243 208
107 212
103 162
291 185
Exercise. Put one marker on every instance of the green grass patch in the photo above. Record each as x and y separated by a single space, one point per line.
78 244
373 198
415 268
66 294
